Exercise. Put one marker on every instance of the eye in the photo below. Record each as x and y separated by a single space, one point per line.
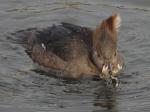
115 53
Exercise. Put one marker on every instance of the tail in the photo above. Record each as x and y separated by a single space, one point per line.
34 47
21 36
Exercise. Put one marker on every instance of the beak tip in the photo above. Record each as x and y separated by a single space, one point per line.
115 81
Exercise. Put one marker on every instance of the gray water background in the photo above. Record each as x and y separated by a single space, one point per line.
22 89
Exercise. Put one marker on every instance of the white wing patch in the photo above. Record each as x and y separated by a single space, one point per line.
43 46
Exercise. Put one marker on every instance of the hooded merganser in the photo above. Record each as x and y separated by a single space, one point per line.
77 50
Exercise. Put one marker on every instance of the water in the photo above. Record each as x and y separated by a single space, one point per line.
23 88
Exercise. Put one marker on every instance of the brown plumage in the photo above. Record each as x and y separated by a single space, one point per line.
76 50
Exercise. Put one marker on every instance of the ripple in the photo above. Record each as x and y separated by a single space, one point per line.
25 87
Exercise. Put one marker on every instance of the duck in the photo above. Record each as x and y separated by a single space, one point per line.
77 50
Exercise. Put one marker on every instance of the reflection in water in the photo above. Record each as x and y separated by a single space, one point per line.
104 95
106 98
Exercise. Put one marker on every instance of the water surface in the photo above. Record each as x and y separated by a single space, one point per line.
25 89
